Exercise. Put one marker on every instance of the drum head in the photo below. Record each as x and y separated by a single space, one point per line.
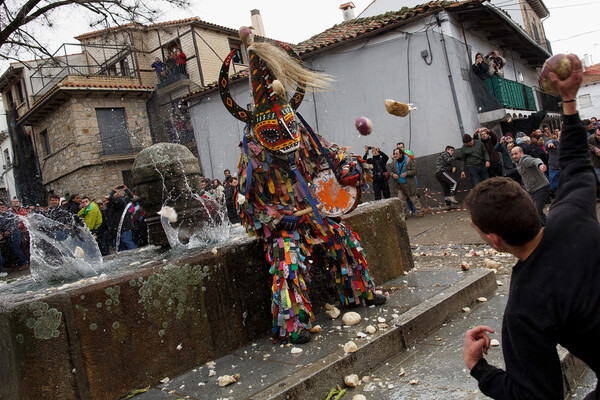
337 200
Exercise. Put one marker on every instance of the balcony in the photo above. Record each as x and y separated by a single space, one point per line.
512 95
498 98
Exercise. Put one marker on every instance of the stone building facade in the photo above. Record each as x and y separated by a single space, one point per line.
205 46
59 110
87 135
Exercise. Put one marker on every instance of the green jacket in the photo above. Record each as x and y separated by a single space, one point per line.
92 216
475 155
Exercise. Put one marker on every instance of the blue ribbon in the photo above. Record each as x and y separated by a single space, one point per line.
311 200
319 145
249 168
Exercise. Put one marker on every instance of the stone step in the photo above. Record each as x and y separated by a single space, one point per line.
419 303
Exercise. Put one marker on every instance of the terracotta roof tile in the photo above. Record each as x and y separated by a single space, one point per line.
103 86
211 87
67 84
590 78
357 27
593 69
152 26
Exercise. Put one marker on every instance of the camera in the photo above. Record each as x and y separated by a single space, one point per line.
370 147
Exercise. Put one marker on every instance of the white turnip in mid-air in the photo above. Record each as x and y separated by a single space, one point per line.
364 126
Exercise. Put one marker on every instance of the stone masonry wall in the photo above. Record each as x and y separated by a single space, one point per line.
93 181
76 146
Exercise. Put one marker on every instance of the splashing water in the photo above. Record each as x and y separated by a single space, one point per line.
214 226
59 252
118 241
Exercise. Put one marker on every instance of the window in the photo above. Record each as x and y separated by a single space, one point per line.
127 178
20 97
46 143
7 162
585 100
124 64
113 131
237 46
536 34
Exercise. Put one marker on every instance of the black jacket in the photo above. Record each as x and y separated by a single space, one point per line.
554 296
114 211
379 168
232 214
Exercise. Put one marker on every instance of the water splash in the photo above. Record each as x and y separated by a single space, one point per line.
213 226
59 252
118 241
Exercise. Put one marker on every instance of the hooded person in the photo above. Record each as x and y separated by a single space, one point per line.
281 156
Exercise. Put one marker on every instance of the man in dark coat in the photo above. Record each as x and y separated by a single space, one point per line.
554 297
229 194
380 174
114 213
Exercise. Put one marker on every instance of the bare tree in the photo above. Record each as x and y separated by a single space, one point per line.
19 17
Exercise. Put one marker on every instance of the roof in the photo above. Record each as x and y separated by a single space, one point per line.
593 69
477 12
9 76
192 20
361 27
213 87
53 97
539 7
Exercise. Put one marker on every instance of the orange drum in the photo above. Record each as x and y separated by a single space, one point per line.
337 200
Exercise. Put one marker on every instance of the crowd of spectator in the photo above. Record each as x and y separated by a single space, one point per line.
174 64
531 160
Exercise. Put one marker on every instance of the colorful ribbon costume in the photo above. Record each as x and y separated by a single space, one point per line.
279 160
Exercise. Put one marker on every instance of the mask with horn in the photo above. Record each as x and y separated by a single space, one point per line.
273 67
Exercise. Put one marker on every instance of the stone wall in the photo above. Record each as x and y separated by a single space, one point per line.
76 163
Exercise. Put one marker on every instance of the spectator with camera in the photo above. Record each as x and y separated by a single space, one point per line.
496 63
380 174
481 67
115 209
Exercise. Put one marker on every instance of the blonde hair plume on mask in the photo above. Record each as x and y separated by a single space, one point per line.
288 70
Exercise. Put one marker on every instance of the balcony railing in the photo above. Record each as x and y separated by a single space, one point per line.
511 94
547 101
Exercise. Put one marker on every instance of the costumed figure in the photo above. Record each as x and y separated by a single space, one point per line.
294 185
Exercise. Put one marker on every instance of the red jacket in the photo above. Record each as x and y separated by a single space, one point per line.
180 58
22 212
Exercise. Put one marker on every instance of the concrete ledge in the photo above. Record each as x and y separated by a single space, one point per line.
423 319
409 327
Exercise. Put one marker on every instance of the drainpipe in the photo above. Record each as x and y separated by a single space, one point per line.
409 93
451 79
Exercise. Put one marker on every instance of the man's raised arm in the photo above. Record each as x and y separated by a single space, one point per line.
576 183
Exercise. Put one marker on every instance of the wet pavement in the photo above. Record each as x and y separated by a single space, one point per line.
390 365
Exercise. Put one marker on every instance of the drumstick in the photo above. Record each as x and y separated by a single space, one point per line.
307 210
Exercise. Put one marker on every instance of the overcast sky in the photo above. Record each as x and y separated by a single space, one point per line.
572 26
